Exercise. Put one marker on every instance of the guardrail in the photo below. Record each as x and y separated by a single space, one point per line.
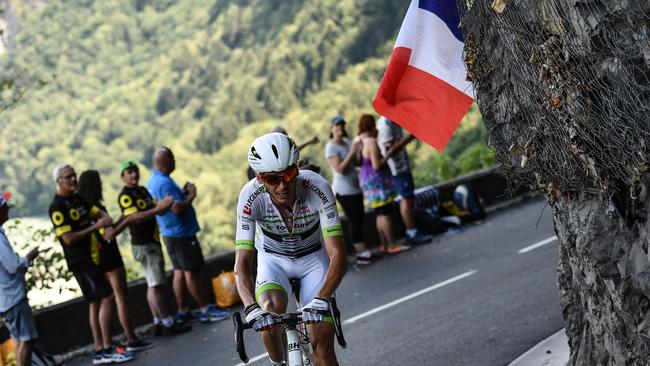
64 327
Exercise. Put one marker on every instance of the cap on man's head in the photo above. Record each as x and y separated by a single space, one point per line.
4 199
127 165
337 119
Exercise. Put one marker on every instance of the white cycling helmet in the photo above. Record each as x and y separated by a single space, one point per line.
272 152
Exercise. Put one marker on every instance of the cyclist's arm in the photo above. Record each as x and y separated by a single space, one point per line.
244 275
245 246
335 247
332 237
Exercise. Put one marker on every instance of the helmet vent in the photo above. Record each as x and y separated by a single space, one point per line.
254 152
275 151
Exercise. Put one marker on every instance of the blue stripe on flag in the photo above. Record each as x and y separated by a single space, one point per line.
447 10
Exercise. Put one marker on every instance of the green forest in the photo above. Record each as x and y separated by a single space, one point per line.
95 83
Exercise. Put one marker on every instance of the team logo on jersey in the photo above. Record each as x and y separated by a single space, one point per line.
316 190
74 214
331 215
125 201
57 218
245 227
251 199
141 204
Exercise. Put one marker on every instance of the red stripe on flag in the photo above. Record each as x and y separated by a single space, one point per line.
426 106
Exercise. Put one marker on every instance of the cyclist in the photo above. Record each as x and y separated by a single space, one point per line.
290 217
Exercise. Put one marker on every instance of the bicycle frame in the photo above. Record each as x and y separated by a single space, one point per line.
298 348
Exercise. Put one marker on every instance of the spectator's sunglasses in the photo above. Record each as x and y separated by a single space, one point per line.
286 175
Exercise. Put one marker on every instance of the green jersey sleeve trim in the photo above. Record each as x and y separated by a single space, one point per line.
330 231
244 245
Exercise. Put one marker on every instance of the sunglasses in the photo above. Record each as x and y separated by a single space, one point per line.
286 175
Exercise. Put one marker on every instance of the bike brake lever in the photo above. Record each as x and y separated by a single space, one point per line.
239 336
338 328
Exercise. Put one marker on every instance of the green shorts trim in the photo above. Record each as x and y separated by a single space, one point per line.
269 286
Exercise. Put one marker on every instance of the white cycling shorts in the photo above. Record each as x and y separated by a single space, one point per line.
275 272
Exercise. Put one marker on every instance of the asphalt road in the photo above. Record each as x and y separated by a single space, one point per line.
466 299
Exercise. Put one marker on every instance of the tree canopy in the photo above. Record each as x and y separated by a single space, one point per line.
203 77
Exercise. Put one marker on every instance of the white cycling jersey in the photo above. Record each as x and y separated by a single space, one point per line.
315 217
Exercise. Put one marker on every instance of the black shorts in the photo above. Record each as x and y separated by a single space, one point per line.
93 283
386 209
110 257
185 253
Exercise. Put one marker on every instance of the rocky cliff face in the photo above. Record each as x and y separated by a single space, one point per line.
564 90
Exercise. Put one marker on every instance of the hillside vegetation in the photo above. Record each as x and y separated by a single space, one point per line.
203 77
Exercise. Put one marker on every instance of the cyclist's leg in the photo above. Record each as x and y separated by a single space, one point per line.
321 335
322 341
311 270
272 291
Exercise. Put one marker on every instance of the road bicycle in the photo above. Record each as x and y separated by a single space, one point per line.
299 351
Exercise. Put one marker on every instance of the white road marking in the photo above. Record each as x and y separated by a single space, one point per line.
409 297
537 245
386 306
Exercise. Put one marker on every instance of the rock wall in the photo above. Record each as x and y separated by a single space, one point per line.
564 90
604 283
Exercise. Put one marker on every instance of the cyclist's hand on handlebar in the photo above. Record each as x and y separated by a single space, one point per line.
315 311
257 318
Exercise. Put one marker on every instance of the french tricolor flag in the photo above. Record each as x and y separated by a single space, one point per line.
424 89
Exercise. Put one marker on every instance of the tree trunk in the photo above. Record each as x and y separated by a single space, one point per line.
563 87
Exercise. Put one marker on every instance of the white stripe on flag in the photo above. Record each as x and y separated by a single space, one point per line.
435 50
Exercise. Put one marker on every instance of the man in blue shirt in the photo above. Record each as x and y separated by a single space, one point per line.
14 308
178 227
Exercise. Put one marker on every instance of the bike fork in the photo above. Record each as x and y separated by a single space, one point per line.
294 351
299 350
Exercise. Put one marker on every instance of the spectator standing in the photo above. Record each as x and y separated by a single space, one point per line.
76 225
110 259
14 307
179 227
138 214
377 185
342 156
391 143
